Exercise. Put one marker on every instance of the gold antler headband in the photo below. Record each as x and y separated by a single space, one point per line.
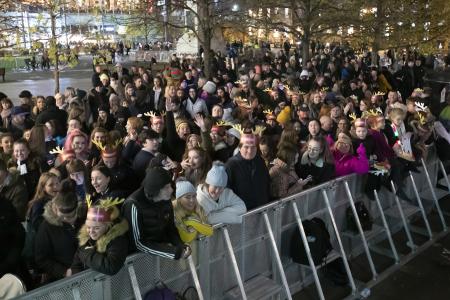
57 150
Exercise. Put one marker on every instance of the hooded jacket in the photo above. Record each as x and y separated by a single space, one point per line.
56 243
227 209
15 190
105 255
152 226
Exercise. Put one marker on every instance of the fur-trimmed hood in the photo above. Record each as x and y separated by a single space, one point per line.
102 243
50 216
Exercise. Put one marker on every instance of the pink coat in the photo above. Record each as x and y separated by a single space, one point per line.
347 163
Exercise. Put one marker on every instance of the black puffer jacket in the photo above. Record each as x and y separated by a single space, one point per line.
152 227
56 243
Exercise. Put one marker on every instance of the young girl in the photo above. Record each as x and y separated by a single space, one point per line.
190 219
196 164
47 188
103 240
316 162
344 160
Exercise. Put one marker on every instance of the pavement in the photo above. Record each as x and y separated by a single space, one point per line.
425 277
41 82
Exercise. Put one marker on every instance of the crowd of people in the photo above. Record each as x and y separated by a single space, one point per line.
148 162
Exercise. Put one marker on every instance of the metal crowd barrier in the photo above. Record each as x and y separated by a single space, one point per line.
251 260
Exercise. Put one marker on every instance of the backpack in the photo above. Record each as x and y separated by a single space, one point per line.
364 218
318 240
160 292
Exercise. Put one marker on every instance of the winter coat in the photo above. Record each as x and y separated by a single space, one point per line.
283 180
34 168
15 190
347 163
12 234
320 170
199 106
140 163
249 179
105 255
56 243
227 209
152 226
173 145
191 224
35 215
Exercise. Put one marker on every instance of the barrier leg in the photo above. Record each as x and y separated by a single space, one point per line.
134 282
234 262
444 173
195 278
422 210
402 216
76 293
308 251
386 227
433 193
277 256
341 247
361 231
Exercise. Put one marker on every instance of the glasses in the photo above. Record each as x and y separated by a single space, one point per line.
311 149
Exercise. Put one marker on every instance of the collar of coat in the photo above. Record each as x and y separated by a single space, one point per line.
102 243
50 216
306 161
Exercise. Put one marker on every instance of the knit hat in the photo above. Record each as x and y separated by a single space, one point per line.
155 180
179 122
217 176
183 187
304 73
209 87
284 116
103 76
234 132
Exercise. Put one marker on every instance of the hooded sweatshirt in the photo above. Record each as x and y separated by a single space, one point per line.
347 163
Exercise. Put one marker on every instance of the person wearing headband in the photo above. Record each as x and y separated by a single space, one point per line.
103 240
248 175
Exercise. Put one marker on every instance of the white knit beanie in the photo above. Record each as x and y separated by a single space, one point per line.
234 132
210 87
183 187
217 176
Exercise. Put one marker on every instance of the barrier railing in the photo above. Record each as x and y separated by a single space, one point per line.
251 260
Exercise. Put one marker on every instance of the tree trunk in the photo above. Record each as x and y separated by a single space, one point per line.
378 32
306 43
205 35
207 55
54 43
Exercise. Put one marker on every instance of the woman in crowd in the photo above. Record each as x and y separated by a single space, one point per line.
316 162
221 204
47 188
56 239
190 219
196 165
344 160
103 240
